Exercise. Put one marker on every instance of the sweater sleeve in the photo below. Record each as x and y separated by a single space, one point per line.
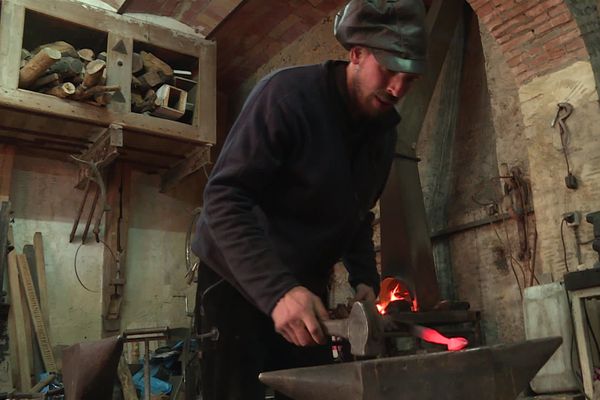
359 259
253 154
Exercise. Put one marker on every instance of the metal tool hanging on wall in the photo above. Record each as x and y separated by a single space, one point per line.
564 111
91 174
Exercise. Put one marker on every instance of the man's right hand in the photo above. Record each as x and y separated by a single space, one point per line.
297 317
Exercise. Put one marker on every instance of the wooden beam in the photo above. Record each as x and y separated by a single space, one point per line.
107 21
41 104
118 71
40 265
205 110
115 252
184 168
7 156
12 22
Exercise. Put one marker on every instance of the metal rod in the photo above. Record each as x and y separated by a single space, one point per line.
147 390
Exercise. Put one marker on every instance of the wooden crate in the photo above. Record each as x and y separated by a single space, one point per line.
44 122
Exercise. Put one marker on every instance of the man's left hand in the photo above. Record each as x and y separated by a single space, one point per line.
364 293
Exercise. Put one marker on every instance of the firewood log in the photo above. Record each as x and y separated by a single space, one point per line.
137 63
102 56
37 66
92 77
67 67
66 50
65 90
93 73
86 55
155 64
151 79
25 55
48 80
91 92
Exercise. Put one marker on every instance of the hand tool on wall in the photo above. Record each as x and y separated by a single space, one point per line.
498 372
563 112
96 177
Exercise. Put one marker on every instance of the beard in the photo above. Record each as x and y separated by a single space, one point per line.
365 102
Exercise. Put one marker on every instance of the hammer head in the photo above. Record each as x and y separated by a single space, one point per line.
365 330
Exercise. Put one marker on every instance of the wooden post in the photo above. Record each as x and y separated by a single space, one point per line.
7 156
40 264
115 237
17 315
118 68
205 109
12 22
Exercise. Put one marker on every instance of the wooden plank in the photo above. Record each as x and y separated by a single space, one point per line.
7 156
36 314
41 104
37 366
126 380
18 316
115 238
40 264
205 110
12 21
184 168
104 20
118 68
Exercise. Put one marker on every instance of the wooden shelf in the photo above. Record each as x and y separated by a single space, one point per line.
45 122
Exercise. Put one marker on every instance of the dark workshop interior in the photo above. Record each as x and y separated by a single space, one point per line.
486 236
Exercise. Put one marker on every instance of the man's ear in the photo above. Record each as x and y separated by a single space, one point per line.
356 54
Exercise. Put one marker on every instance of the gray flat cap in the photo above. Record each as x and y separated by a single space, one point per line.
394 30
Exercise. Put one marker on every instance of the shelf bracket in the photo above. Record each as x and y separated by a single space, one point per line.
184 168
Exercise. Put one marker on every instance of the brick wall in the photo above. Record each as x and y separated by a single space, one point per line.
536 36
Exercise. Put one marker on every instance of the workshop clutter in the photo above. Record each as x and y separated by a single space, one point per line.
61 70
154 87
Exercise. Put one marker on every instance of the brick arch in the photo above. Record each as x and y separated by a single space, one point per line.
536 36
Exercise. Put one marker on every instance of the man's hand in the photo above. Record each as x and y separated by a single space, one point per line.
297 316
364 293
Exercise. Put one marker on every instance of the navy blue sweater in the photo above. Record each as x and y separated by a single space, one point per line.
291 191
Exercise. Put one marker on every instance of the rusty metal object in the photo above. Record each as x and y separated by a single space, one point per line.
498 372
90 369
146 335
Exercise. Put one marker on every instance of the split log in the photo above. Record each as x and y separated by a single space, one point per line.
151 80
65 90
137 63
93 73
67 67
37 66
86 55
48 80
101 56
155 64
65 49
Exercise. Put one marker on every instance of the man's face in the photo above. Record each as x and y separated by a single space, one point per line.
373 88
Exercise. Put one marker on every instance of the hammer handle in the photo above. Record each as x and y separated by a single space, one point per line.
336 327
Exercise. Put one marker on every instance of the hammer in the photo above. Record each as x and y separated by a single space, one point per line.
364 329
